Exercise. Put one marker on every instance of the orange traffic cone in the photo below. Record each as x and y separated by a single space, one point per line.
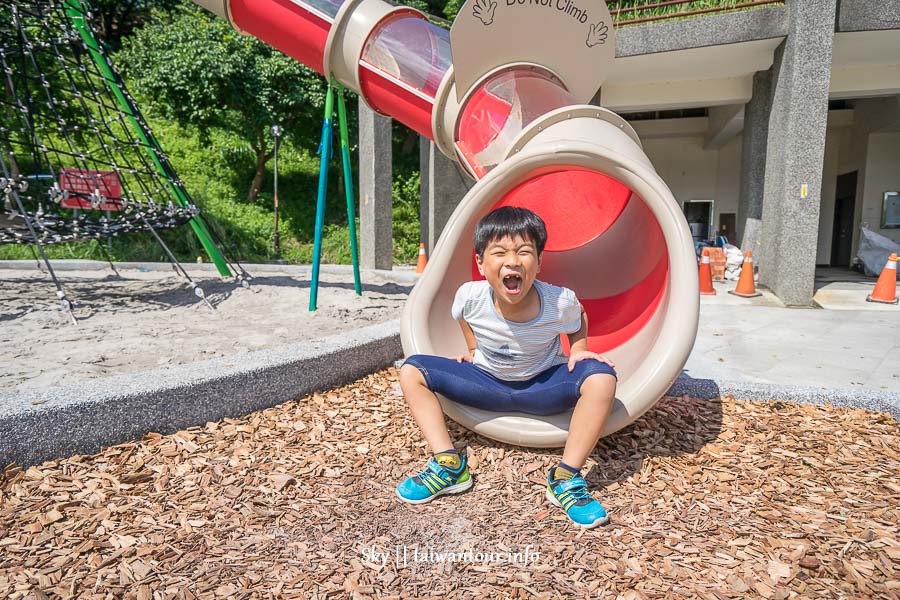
746 288
886 287
706 287
423 260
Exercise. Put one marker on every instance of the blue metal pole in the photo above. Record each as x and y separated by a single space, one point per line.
348 186
324 155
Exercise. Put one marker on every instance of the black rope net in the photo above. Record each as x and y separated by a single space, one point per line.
76 161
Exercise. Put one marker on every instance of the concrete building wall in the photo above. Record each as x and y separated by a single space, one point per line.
856 161
882 175
876 157
697 174
829 186
871 116
728 180
694 173
846 161
688 169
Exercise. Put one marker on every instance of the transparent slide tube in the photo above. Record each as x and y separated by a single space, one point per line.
402 65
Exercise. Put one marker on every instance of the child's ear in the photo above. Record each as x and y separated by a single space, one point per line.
540 261
480 265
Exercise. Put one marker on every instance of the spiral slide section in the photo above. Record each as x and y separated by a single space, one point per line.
517 120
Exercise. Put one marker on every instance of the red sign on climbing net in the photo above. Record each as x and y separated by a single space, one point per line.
97 190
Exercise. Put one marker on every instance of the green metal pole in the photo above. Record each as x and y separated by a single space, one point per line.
76 10
348 185
325 151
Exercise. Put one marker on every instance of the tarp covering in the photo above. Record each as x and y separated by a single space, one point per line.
874 250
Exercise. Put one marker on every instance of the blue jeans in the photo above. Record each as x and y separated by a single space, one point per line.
553 391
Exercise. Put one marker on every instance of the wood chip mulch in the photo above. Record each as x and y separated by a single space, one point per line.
709 499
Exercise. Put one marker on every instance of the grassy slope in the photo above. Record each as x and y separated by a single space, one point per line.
217 174
671 10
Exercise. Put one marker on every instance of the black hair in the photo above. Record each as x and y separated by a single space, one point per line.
510 221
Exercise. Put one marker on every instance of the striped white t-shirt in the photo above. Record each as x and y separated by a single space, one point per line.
511 350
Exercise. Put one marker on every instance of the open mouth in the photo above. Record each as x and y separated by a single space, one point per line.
513 284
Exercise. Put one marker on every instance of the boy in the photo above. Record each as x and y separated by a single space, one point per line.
512 323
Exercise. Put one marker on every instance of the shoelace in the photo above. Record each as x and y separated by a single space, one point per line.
434 468
577 488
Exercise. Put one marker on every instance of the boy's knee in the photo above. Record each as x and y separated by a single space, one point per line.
599 383
593 366
411 375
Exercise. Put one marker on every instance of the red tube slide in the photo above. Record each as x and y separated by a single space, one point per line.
403 61
298 31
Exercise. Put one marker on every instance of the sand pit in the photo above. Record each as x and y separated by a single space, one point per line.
709 499
150 320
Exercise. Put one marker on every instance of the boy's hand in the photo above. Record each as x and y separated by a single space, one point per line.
463 358
584 354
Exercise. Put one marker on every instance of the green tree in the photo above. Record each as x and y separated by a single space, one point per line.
451 8
116 19
194 68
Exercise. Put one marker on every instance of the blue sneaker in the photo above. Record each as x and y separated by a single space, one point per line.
573 497
435 481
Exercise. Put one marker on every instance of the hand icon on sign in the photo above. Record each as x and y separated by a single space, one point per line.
484 11
597 34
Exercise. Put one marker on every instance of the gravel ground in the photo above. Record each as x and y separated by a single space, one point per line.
151 319
709 499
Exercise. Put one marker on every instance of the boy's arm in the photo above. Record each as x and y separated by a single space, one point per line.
470 341
578 345
578 340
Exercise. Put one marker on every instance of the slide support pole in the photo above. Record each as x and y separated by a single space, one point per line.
324 152
348 184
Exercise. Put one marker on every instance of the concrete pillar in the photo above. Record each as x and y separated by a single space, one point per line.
424 151
376 238
753 163
444 184
795 152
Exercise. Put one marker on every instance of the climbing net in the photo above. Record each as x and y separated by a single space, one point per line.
77 159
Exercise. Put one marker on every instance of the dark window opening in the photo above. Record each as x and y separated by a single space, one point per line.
679 113
838 105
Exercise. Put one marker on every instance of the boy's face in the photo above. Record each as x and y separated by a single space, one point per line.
510 265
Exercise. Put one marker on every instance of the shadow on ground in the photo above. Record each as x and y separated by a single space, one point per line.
112 293
827 275
677 425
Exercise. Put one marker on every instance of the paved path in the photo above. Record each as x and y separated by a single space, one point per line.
757 341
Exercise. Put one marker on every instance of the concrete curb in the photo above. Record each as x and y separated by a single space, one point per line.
404 274
40 425
865 399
